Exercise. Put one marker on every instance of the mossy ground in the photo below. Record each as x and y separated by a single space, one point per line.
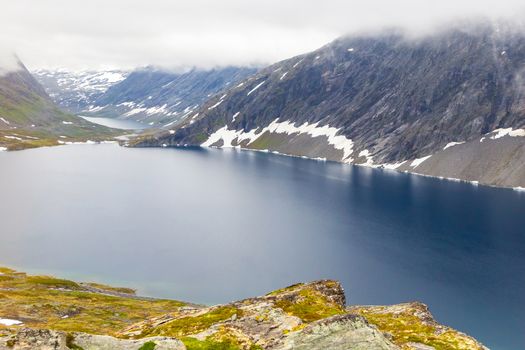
104 287
48 302
148 346
309 306
407 328
193 324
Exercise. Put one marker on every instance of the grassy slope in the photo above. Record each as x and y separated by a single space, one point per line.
30 119
48 302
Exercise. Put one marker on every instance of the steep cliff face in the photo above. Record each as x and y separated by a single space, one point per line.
379 100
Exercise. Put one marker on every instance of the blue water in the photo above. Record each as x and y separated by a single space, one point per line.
212 226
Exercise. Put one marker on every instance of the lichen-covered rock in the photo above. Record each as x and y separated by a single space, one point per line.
43 339
412 326
101 342
261 321
31 339
337 333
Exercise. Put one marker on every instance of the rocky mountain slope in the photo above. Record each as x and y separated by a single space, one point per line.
42 312
28 117
157 97
152 96
451 104
76 91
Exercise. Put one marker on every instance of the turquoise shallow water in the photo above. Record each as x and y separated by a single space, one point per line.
212 226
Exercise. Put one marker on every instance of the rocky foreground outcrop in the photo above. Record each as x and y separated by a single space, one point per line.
310 316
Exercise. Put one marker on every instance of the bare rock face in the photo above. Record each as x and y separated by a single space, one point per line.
43 339
390 99
338 333
29 339
101 342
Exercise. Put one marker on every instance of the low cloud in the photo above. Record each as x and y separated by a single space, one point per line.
99 34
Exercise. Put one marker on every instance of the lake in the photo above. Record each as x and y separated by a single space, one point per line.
125 124
211 226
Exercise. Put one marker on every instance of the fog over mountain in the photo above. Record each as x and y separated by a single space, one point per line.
125 34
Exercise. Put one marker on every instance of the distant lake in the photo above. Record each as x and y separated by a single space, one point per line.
211 226
125 124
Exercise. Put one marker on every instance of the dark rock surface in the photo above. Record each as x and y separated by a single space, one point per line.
399 99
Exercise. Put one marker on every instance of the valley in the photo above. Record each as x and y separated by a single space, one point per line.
367 182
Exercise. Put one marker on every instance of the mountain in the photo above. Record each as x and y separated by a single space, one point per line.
76 91
451 104
158 97
149 95
69 315
28 117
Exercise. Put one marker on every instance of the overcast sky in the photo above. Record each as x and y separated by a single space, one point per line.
99 34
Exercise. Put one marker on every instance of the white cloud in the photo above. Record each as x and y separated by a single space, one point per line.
126 33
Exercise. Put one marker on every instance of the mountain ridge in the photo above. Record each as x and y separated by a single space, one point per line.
153 96
394 101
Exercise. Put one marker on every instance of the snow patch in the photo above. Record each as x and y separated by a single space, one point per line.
298 63
369 160
452 144
5 121
67 123
9 322
393 166
417 162
235 116
283 76
499 133
339 142
215 105
255 88
95 108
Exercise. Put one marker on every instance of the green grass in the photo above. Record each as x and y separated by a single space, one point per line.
123 290
148 346
46 281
